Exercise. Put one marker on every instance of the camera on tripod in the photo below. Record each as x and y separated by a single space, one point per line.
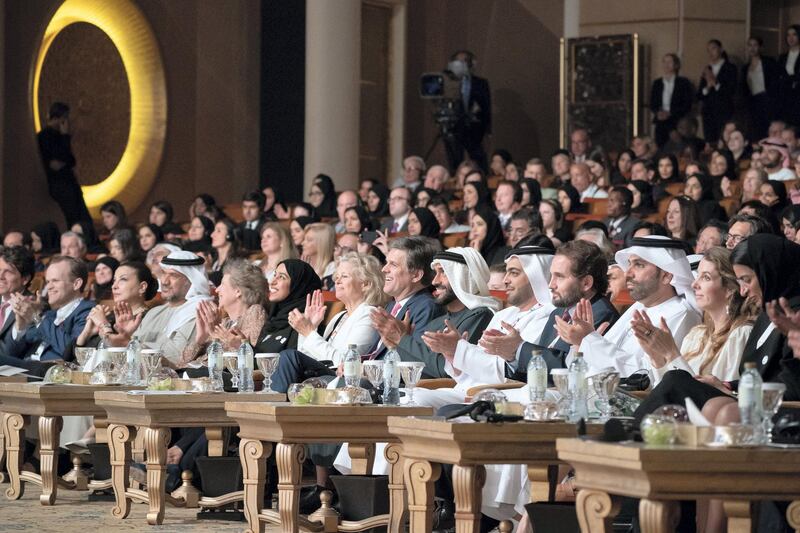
444 90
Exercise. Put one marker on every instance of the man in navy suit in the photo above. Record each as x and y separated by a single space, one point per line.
579 270
475 120
408 278
253 213
620 222
670 99
30 345
16 272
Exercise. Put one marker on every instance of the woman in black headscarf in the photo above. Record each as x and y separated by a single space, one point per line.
104 271
423 195
643 203
357 220
570 200
700 188
378 202
773 195
421 222
294 280
476 193
486 235
323 196
531 192
722 168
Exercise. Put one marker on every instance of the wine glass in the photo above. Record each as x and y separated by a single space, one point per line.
605 385
561 381
373 371
772 394
82 354
411 371
231 360
268 363
151 362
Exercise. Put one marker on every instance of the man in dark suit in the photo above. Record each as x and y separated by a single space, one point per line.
408 279
31 345
670 98
760 86
399 208
253 212
16 272
475 119
717 88
579 270
620 222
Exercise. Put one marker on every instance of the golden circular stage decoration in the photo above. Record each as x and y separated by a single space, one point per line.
133 38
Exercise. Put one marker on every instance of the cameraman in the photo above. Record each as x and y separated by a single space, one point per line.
475 118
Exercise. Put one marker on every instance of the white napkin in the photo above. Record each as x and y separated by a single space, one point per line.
695 416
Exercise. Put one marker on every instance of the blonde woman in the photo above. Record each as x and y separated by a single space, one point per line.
318 244
277 245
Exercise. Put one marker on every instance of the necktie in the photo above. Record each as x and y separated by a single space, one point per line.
3 307
396 309
395 227
465 87
378 347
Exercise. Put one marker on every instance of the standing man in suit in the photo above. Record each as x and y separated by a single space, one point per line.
33 342
760 83
253 213
670 98
408 279
475 119
620 222
16 273
717 87
789 70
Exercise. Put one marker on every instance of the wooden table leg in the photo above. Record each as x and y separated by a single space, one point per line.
793 515
2 447
49 439
419 476
14 429
119 446
362 457
397 490
596 511
100 430
253 454
290 459
658 516
155 445
740 515
539 479
467 487
216 441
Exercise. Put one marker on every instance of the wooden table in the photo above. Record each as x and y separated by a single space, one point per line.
155 413
6 379
293 426
50 402
662 476
429 441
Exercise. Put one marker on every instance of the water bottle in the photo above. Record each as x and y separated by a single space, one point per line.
751 399
578 406
352 366
391 378
245 363
537 376
101 354
133 375
214 353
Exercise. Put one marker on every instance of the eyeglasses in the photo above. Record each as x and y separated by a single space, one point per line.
735 239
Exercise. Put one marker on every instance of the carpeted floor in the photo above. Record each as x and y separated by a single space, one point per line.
74 513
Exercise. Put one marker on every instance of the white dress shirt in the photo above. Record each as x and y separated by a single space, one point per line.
791 62
755 79
666 93
593 191
715 67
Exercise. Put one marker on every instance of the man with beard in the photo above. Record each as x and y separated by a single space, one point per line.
460 287
658 278
579 271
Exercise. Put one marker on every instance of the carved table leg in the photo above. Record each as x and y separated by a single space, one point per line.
740 515
467 486
2 447
216 441
49 436
155 445
419 476
362 457
253 454
290 459
14 429
596 510
539 479
119 446
100 429
397 490
793 515
659 516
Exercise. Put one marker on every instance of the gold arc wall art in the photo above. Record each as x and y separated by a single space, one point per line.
129 30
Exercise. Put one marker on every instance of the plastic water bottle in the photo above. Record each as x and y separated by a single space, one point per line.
751 400
578 406
537 376
245 364
352 366
133 374
391 378
101 354
214 353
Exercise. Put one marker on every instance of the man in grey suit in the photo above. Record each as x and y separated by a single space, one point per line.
16 272
620 222
399 208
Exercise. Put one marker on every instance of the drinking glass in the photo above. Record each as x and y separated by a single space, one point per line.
561 381
82 355
151 362
605 385
268 363
231 360
411 372
773 397
373 371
